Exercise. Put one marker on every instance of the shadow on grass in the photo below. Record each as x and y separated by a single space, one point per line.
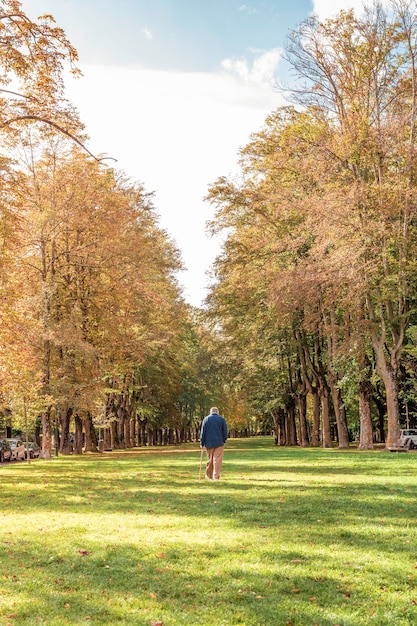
287 537
124 584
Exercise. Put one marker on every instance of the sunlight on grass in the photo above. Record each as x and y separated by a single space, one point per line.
287 537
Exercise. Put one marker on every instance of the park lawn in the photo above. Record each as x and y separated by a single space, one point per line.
288 536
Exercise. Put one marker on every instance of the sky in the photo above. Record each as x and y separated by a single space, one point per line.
173 89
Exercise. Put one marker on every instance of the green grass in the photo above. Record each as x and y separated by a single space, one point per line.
288 536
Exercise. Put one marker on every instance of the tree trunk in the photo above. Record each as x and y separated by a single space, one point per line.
340 412
141 433
388 368
37 434
78 436
381 407
121 441
90 435
311 380
275 420
46 452
107 439
365 396
325 412
279 425
393 413
126 431
290 428
114 435
65 447
388 373
315 436
149 439
302 419
132 433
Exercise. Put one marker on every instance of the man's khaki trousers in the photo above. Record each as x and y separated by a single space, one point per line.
214 462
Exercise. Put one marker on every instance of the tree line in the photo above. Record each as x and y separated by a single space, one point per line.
95 337
315 289
309 328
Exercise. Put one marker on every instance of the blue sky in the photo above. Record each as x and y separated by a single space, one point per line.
173 89
185 35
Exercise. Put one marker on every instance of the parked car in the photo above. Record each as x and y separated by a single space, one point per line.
5 451
34 450
408 438
18 449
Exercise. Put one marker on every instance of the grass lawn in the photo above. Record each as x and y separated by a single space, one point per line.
288 536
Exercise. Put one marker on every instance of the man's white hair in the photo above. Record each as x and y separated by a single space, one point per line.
214 409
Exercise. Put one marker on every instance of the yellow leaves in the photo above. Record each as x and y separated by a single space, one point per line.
47 17
32 55
90 278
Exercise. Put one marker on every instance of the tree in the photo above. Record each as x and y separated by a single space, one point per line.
100 275
32 59
360 74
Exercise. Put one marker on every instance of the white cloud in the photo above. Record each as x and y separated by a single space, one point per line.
247 9
261 71
328 8
147 33
325 9
176 133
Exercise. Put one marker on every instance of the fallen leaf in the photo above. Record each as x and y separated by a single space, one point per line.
67 606
156 623
84 552
160 555
153 596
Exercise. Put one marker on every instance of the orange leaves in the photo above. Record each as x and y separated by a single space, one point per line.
32 56
84 552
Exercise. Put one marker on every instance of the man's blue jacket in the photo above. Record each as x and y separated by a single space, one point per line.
214 431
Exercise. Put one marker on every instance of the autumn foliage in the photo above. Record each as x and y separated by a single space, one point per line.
315 291
95 338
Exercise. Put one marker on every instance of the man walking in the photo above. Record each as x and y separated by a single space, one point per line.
213 436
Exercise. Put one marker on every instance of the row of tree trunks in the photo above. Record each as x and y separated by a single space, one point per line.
291 426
